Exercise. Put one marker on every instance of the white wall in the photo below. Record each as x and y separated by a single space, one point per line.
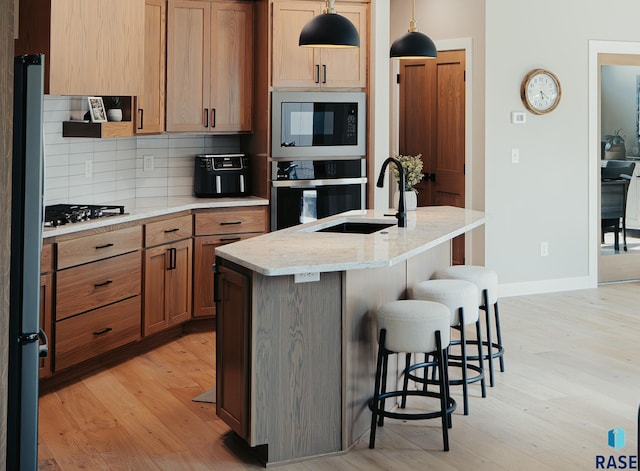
546 196
117 175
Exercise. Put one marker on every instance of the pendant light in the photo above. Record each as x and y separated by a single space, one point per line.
329 30
413 44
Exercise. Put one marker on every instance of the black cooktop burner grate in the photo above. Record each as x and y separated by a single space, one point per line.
60 214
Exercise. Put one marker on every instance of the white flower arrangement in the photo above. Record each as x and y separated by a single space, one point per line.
412 165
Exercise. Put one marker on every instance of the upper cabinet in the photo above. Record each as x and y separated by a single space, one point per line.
91 47
209 66
295 66
150 103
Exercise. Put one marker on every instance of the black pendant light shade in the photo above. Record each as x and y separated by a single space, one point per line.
329 30
413 45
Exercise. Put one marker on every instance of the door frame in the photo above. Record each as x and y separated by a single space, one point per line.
595 49
465 44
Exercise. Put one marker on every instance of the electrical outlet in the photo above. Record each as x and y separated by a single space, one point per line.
544 249
515 156
147 164
306 277
88 168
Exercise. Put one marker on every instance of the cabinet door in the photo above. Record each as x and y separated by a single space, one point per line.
156 264
46 313
204 257
92 47
167 286
231 66
347 67
188 65
150 102
292 65
232 350
179 283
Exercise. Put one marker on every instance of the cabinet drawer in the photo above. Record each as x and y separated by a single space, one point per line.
98 246
231 220
46 259
90 286
82 337
170 230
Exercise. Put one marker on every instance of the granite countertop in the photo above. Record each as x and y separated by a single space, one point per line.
300 250
134 212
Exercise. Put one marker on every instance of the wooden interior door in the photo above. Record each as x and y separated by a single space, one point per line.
432 123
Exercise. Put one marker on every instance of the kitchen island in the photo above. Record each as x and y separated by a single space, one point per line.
296 337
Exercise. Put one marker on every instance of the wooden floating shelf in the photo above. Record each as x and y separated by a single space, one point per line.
99 130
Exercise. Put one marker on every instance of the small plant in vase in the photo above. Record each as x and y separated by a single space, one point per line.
412 165
114 112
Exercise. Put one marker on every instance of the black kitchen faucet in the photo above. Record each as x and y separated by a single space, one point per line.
400 215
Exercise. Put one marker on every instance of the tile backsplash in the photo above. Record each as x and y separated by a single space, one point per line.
113 171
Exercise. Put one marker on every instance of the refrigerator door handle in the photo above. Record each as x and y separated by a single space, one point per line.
44 346
28 338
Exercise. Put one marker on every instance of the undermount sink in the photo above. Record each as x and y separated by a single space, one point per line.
351 227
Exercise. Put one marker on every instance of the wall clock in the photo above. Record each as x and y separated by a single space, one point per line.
540 91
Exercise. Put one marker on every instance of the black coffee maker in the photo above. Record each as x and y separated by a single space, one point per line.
218 175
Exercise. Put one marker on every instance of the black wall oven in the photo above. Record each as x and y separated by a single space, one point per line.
306 190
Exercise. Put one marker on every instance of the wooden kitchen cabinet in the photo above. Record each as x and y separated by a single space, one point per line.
214 229
150 103
98 294
91 47
167 286
295 66
46 305
209 66
232 349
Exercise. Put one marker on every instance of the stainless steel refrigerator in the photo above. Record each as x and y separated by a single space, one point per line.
26 244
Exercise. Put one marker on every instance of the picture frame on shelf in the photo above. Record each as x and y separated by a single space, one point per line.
96 109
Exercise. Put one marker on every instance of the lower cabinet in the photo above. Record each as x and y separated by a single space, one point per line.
167 285
232 349
212 229
84 336
46 316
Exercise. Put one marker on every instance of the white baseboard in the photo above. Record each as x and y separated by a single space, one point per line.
546 286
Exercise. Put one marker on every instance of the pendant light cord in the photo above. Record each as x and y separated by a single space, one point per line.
412 23
329 6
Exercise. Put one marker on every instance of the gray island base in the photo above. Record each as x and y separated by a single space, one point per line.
296 337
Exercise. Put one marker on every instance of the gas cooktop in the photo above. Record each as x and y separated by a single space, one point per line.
60 214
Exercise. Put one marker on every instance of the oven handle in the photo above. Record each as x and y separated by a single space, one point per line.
314 183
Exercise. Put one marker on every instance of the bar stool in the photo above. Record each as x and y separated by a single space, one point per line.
487 282
412 326
461 297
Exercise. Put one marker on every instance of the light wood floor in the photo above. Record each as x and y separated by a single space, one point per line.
573 373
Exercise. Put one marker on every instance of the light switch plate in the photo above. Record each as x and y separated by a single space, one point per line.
518 117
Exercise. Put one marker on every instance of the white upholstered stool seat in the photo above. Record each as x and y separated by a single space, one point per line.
461 297
487 282
420 327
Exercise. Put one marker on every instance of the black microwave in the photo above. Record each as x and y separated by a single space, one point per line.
318 124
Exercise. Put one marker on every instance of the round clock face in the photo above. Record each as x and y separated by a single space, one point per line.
540 91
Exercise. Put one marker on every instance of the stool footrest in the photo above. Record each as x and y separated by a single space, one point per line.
451 406
497 351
